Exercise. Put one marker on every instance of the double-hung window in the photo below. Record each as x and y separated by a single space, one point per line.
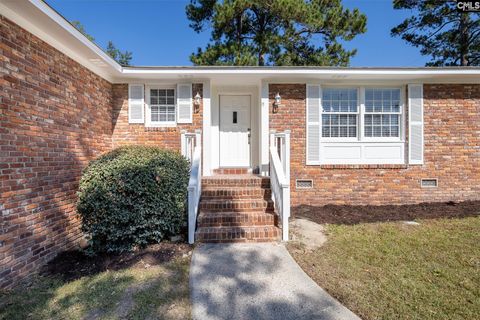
376 116
357 125
162 109
340 113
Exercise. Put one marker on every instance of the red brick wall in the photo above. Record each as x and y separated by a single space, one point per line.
125 133
55 115
452 154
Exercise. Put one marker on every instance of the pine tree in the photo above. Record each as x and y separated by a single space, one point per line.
123 58
275 32
79 26
440 30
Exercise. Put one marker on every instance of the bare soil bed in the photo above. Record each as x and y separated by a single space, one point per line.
74 264
346 214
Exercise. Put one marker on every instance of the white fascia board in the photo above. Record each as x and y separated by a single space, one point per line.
298 71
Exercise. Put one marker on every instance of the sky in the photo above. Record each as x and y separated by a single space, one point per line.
157 31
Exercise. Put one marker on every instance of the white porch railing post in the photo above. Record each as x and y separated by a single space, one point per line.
272 138
183 143
280 176
195 181
286 194
198 138
286 160
191 215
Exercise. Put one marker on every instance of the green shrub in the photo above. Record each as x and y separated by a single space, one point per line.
133 196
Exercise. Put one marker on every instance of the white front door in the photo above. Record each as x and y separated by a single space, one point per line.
234 131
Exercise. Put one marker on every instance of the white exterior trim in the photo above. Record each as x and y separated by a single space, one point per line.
264 129
207 129
419 123
353 153
308 161
130 120
148 111
300 70
360 150
214 141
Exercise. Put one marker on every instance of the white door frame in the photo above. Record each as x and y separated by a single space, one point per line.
250 126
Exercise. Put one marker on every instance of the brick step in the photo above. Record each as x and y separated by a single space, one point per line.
231 219
238 234
236 193
236 171
236 205
240 180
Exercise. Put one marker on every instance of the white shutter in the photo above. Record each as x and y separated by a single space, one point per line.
313 124
135 103
184 103
415 123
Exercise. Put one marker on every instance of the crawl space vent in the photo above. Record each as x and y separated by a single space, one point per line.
429 183
304 184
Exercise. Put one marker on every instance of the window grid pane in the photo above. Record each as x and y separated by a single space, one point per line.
162 105
339 100
382 100
339 125
382 125
382 107
339 117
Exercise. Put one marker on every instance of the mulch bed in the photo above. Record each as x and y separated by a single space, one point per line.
74 264
345 214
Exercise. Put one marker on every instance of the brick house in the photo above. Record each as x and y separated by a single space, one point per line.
302 136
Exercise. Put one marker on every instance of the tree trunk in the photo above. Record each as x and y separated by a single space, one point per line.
239 34
261 37
464 39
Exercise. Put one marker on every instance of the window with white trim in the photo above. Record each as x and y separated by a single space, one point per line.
340 112
355 125
382 113
162 106
379 109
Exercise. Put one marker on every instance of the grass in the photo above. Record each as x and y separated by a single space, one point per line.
153 292
398 271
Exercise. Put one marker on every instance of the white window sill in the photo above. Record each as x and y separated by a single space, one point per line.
161 125
364 140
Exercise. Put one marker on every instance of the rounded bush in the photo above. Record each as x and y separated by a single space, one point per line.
133 196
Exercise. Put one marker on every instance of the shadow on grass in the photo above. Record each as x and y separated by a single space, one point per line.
347 214
127 292
51 298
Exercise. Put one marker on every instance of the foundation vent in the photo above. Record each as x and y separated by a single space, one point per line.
429 183
304 184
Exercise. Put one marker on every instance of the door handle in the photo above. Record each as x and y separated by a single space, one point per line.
249 134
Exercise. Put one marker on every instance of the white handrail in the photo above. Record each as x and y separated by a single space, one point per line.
280 176
191 147
194 192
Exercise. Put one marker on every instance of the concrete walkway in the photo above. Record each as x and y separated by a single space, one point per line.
256 281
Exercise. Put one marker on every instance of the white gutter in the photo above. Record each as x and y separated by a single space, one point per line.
298 71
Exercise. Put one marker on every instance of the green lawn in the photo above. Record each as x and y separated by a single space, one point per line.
151 292
398 271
